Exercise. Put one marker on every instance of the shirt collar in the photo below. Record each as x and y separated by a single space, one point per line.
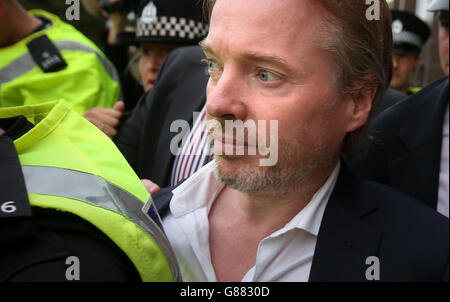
202 188
199 190
310 217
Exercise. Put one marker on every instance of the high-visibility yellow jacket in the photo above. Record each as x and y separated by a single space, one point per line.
89 80
413 90
70 165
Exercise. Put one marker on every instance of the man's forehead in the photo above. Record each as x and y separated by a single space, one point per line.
270 25
266 16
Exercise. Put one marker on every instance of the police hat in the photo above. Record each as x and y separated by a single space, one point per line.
409 32
438 5
168 22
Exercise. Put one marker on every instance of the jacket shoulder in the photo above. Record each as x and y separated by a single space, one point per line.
395 115
397 129
185 56
414 243
183 72
412 211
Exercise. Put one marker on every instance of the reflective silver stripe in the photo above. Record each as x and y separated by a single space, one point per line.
25 63
72 45
97 191
16 68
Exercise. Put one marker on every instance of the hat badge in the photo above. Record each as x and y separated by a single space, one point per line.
397 26
149 13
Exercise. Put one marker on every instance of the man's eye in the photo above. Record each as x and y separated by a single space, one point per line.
267 76
212 67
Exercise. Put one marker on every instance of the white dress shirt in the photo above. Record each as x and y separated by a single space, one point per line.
285 255
443 193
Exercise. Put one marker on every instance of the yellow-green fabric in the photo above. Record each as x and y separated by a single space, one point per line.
85 82
61 138
413 90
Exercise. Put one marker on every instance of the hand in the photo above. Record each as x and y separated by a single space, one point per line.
118 24
151 187
106 119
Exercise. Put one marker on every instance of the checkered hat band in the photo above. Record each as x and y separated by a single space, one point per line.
408 37
172 27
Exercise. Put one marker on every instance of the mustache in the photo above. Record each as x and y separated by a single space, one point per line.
234 132
237 138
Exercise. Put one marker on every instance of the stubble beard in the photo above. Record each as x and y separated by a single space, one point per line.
287 177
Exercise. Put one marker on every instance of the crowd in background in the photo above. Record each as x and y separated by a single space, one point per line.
132 68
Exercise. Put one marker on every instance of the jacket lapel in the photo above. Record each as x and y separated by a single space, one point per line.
349 233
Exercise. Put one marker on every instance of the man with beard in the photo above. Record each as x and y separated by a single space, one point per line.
314 70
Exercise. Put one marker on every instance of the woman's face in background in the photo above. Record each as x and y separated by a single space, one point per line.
152 57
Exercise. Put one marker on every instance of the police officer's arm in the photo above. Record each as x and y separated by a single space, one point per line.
106 119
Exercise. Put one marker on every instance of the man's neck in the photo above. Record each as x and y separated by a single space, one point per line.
274 210
21 24
238 222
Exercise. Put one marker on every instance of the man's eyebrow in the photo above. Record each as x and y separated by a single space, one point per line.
204 45
267 59
252 57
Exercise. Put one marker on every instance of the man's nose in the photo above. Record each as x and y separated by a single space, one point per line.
394 62
226 96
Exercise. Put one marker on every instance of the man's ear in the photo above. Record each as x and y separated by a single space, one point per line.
360 105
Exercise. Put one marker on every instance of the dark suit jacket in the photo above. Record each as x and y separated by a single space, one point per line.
180 89
390 98
364 219
405 152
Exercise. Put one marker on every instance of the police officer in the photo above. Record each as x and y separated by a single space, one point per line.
71 208
410 35
46 59
440 8
161 27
